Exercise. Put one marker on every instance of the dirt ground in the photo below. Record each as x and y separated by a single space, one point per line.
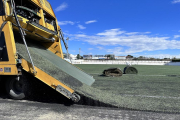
30 110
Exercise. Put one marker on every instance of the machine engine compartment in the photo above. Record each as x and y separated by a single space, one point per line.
30 11
27 10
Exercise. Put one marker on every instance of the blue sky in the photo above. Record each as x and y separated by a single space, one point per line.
137 27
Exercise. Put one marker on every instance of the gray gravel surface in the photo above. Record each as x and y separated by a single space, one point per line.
30 110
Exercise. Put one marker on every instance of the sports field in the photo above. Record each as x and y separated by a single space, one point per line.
155 88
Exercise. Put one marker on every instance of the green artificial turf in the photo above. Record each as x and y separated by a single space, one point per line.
142 69
154 88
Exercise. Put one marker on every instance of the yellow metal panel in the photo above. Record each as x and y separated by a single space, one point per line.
41 2
49 26
11 48
44 77
55 48
37 2
13 68
48 10
60 47
10 44
33 28
22 21
45 6
41 21
41 32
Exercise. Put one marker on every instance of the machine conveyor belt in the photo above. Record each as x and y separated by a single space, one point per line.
54 65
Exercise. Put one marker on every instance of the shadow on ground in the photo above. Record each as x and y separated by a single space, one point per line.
40 93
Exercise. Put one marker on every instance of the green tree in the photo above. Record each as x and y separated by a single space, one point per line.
78 56
141 57
129 56
174 58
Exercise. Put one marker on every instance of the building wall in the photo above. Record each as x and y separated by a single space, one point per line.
120 57
124 62
73 57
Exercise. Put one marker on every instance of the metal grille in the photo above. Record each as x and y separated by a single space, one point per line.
41 2
42 27
47 4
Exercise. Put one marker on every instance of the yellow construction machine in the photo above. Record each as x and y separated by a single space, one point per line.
30 42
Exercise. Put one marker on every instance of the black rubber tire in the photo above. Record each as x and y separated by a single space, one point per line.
130 70
14 88
25 89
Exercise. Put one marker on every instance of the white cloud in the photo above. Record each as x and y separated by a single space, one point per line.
65 22
147 32
176 36
135 33
133 43
81 35
81 26
91 21
100 48
90 48
72 51
116 50
111 32
175 1
132 33
62 7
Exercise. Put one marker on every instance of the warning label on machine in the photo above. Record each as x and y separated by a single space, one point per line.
1 69
7 69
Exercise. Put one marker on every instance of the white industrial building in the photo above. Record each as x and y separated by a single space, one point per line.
87 56
73 57
120 57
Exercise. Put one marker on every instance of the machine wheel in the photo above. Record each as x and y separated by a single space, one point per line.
130 70
15 87
75 97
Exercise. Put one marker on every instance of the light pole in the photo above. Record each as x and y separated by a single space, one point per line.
67 48
80 52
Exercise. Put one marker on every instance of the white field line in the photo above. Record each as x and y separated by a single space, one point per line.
146 96
152 75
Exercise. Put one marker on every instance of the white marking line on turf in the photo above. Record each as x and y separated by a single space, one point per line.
152 75
151 96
